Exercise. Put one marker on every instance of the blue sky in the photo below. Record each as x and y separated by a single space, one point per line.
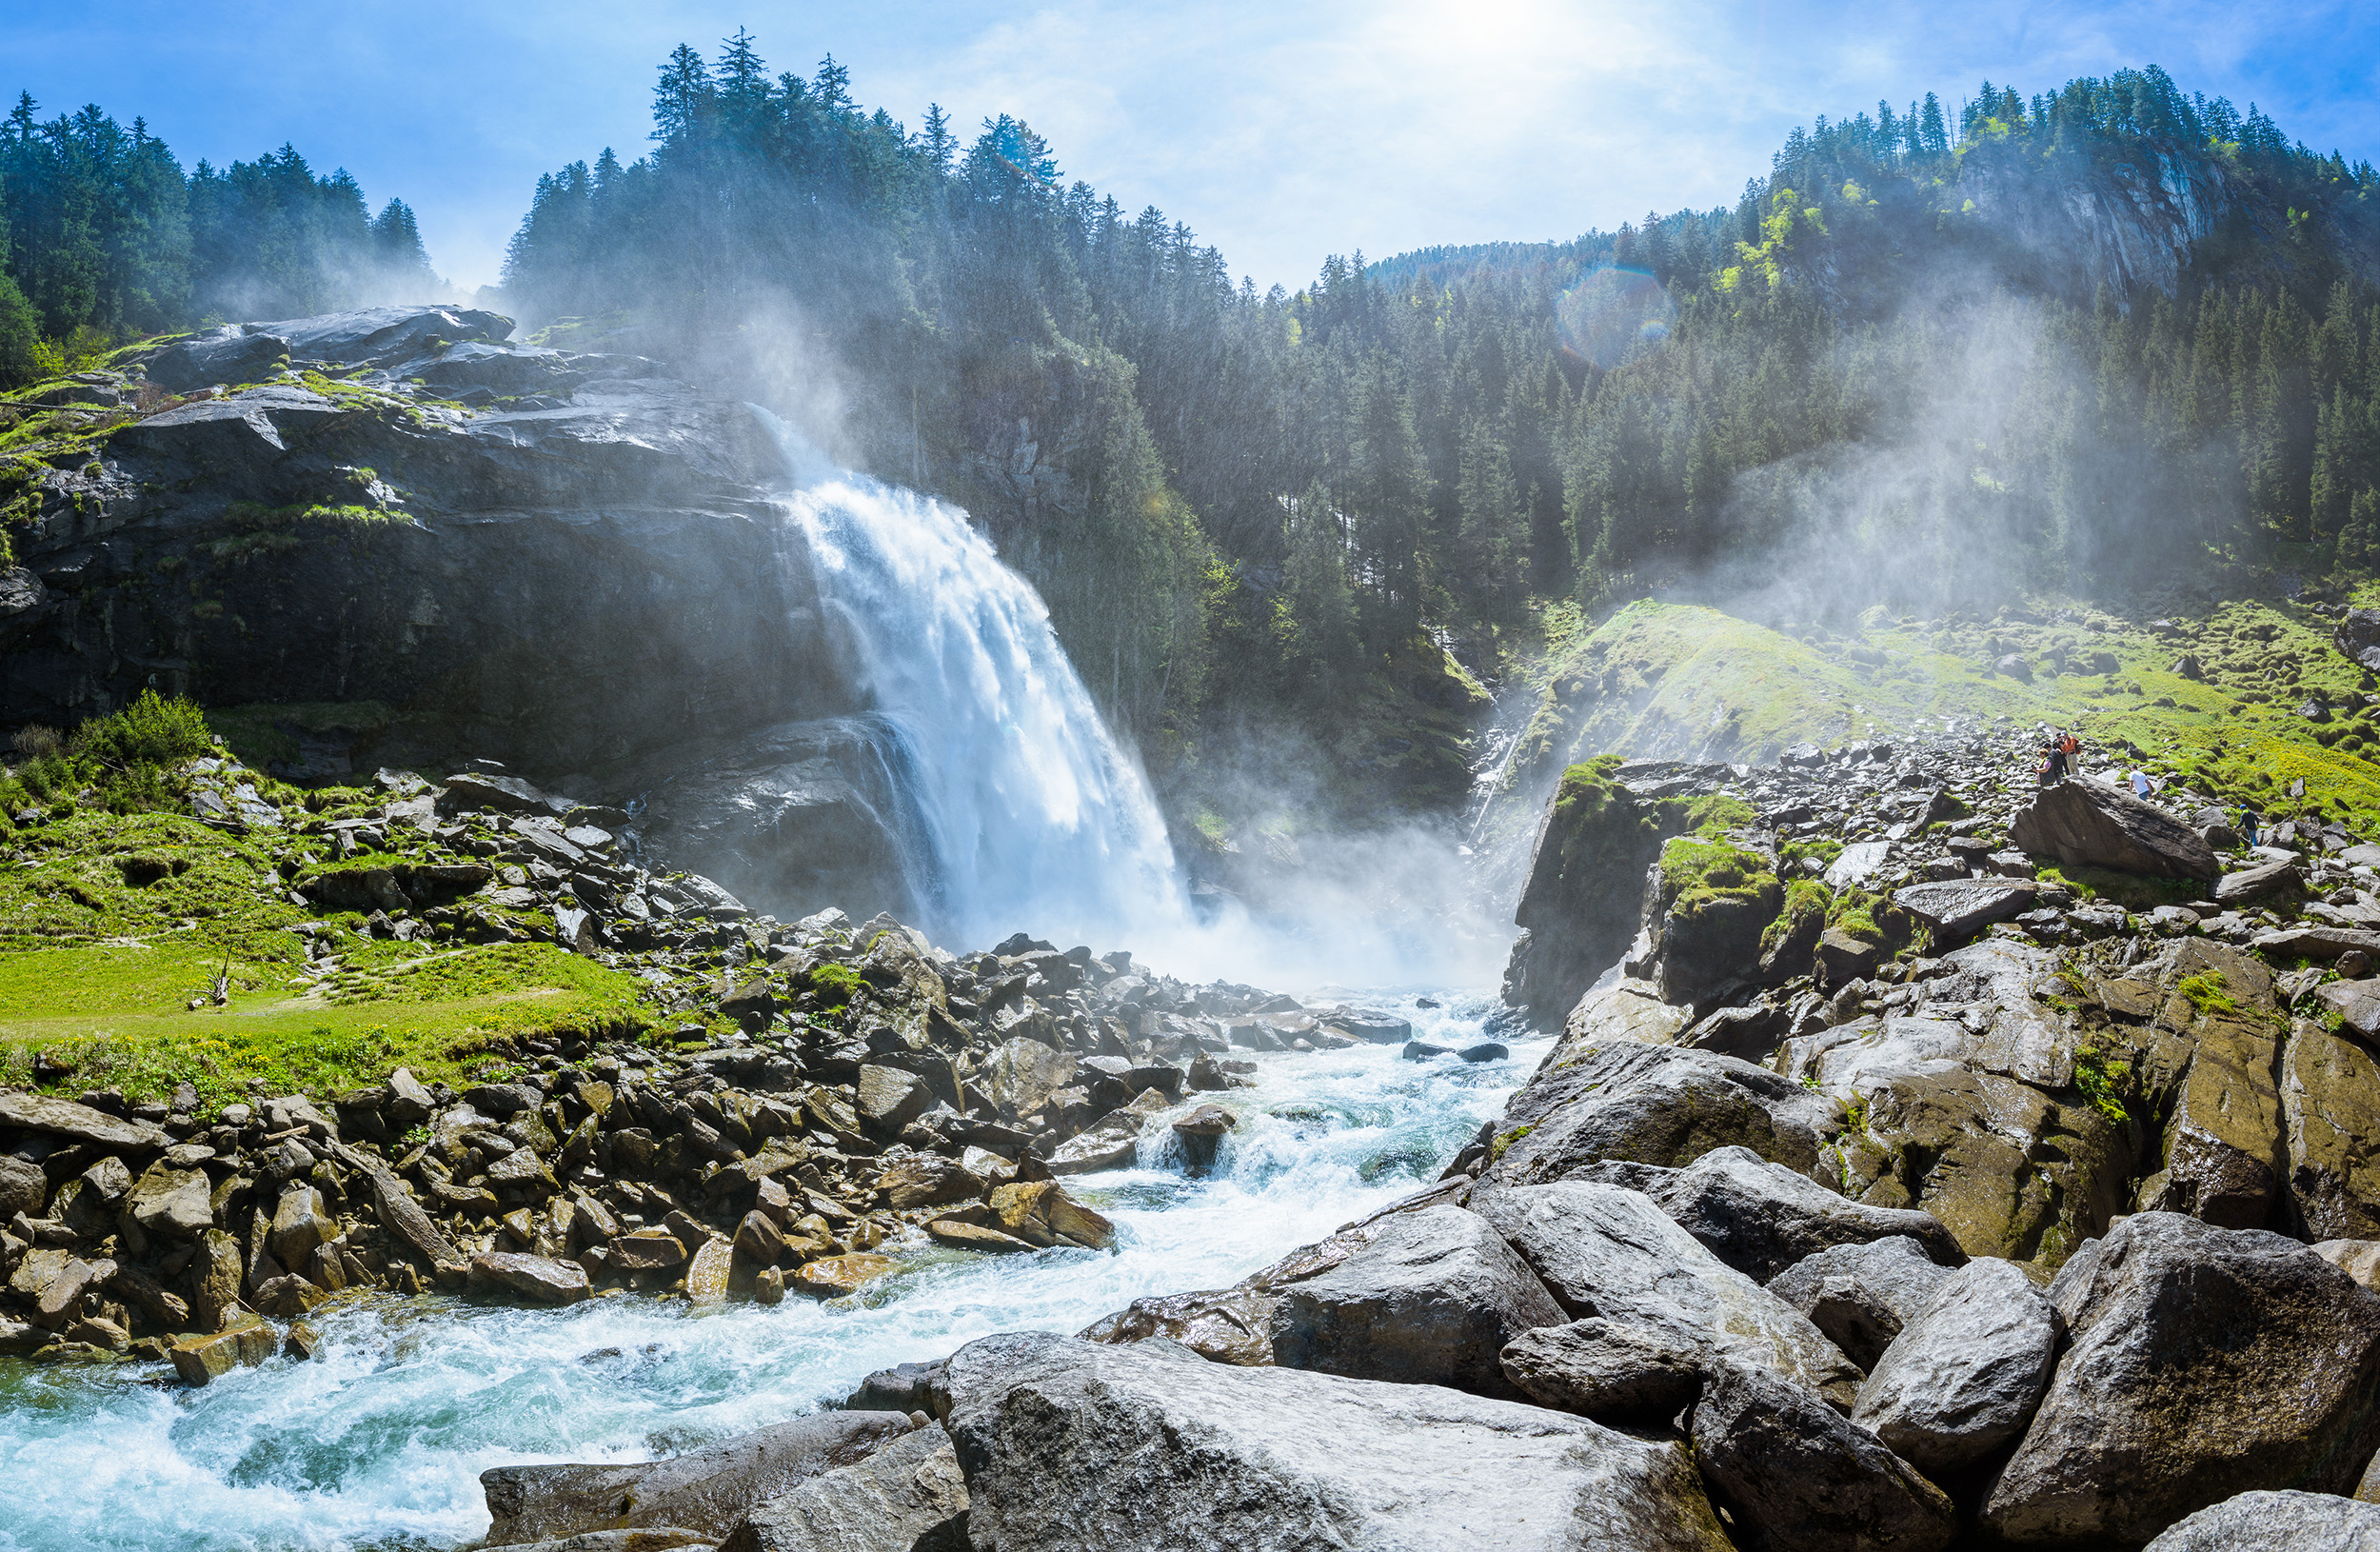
1280 131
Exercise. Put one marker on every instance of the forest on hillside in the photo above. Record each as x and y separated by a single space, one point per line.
1887 373
1865 358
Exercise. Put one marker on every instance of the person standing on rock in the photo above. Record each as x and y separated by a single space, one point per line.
2142 785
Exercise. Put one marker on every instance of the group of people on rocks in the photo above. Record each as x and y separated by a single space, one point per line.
2057 759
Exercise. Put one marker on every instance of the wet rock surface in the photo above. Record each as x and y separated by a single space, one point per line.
1069 1444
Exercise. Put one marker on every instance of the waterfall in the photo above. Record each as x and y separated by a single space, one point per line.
1032 816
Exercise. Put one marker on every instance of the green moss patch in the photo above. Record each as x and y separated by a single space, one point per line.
1696 874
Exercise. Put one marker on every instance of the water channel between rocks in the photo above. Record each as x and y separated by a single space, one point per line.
378 1443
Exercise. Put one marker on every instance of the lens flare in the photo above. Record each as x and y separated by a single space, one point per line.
1614 316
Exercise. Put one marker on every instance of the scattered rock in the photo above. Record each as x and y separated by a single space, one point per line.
1963 1377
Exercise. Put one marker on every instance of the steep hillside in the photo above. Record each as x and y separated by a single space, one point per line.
2245 700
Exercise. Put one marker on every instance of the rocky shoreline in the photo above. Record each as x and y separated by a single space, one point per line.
1989 1212
872 1088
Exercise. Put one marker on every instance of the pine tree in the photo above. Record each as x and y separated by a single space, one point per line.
684 101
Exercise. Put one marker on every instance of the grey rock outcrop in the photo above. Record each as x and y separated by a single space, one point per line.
1761 1218
1607 1252
1069 1444
1432 1299
1810 1480
1963 1379
2205 1362
1862 1296
228 354
2088 823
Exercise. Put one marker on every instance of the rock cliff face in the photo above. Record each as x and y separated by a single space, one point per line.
566 578
395 539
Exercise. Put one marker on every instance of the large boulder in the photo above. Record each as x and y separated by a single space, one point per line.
46 1113
1956 910
1862 1296
2259 1522
540 1280
1963 1379
174 1203
1606 1370
1761 1218
2205 1362
2090 823
2357 634
907 1496
1148 1446
1809 1479
1656 1105
2329 1098
707 1490
1610 1253
1432 1299
1579 908
1024 1073
228 354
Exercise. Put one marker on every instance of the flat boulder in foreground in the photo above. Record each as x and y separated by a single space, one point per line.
2255 1522
708 1490
1073 1443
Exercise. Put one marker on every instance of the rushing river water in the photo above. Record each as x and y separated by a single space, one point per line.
378 1441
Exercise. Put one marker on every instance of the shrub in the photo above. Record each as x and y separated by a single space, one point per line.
151 731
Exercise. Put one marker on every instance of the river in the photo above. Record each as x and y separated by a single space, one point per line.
378 1441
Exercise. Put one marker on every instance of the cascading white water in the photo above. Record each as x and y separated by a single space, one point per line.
1035 818
376 1444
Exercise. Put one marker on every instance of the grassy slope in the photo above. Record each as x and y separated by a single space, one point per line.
99 970
1682 681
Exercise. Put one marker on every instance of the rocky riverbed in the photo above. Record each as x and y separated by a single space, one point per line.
1965 1205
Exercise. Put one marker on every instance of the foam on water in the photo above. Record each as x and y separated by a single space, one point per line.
378 1443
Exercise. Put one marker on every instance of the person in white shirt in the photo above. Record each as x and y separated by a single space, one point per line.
2142 785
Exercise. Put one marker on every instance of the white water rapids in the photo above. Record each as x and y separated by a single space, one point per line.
378 1441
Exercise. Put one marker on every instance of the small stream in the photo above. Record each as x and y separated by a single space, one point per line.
378 1443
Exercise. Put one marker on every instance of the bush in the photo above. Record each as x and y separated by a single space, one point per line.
151 731
128 756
